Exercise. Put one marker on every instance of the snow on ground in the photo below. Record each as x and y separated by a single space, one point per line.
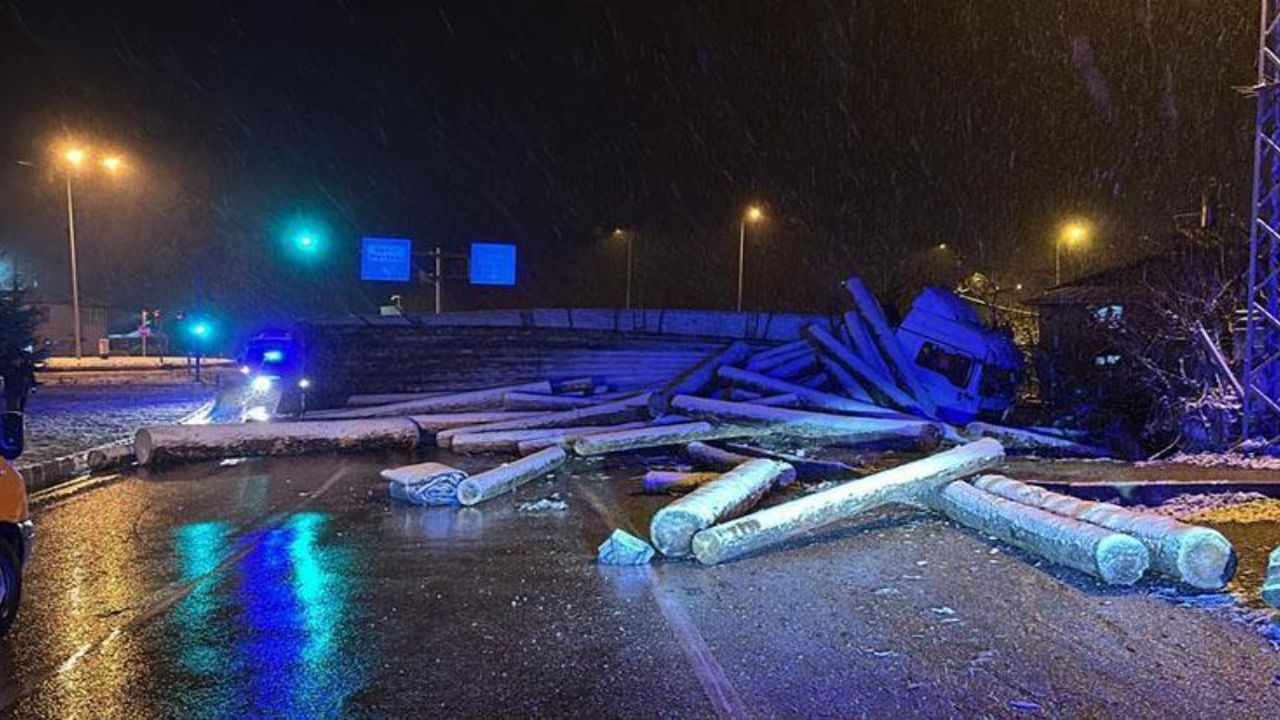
67 419
1220 460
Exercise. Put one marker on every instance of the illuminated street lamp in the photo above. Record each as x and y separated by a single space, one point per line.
628 236
74 159
753 214
1072 233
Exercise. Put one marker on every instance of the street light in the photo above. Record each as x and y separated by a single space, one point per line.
753 214
628 236
1072 233
74 158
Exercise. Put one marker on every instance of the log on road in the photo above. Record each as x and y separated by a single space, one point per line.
610 413
190 443
891 352
1198 556
906 483
110 456
662 482
811 398
435 422
800 423
881 387
505 478
697 378
538 401
489 398
728 496
1019 439
1114 558
564 438
659 436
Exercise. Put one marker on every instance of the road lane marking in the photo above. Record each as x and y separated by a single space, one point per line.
715 683
173 593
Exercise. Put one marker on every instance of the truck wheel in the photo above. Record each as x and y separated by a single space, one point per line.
10 586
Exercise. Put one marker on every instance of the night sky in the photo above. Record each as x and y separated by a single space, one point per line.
871 131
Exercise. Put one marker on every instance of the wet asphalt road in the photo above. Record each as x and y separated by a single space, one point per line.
294 588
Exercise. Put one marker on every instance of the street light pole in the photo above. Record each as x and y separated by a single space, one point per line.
75 276
629 237
742 251
1057 261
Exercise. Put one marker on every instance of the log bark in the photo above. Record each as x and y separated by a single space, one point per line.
662 482
728 496
436 422
811 398
795 368
546 403
710 456
508 441
847 382
190 443
610 413
766 357
659 436
1198 556
490 398
807 469
365 400
110 457
790 520
900 366
564 438
882 388
1114 558
697 378
1027 441
505 478
861 342
800 423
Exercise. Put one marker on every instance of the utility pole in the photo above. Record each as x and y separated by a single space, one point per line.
75 276
439 253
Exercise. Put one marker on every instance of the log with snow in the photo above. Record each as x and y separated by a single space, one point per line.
1114 558
610 413
881 387
489 398
809 397
697 378
800 423
190 443
895 359
728 496
428 483
1271 586
505 478
564 438
659 436
906 483
538 401
1198 556
436 422
1018 439
508 441
670 481
110 456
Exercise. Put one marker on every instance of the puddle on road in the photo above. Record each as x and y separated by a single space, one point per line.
1254 529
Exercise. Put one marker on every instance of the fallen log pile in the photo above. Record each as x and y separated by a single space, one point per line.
748 420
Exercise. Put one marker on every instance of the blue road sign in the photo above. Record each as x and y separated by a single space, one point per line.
386 259
493 264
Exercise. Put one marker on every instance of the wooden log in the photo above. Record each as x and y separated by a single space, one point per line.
795 368
618 411
808 397
508 441
765 357
860 341
698 377
1018 439
1198 556
1114 558
728 496
191 443
813 381
807 469
659 436
847 382
772 365
436 422
804 424
505 478
582 385
710 456
489 398
663 482
546 403
900 366
365 400
564 438
881 387
110 457
790 520
1271 586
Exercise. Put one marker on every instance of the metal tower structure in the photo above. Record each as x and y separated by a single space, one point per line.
1261 411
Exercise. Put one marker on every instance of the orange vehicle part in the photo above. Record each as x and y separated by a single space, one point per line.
13 495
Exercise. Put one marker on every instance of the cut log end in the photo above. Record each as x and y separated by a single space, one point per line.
1206 559
672 531
1122 559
